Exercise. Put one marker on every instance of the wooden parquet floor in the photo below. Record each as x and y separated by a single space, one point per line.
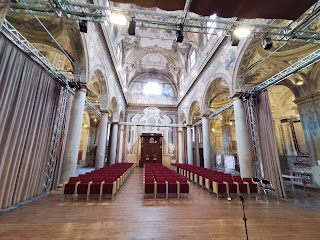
131 217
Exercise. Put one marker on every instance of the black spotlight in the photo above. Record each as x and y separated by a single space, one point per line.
234 39
267 43
179 36
83 26
132 27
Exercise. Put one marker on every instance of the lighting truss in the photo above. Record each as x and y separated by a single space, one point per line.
20 41
191 23
216 113
294 68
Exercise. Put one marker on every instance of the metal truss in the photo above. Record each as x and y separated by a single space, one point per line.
20 41
258 166
93 108
56 139
294 68
220 110
165 20
152 125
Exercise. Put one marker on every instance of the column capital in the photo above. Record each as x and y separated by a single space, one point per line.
189 125
180 129
83 87
104 112
205 115
115 122
309 98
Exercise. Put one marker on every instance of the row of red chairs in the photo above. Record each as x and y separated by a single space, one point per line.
103 181
158 179
216 181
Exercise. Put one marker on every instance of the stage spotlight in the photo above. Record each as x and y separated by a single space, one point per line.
83 26
234 39
267 43
179 36
132 27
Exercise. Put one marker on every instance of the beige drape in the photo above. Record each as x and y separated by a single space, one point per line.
269 151
28 99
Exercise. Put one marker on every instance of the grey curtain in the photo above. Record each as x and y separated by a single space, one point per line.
28 99
269 150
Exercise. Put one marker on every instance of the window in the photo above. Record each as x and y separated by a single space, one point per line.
152 88
192 59
211 26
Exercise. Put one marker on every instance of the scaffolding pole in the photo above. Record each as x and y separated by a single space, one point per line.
56 140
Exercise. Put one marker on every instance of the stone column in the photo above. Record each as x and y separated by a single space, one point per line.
226 135
74 134
196 146
102 140
114 140
189 145
180 145
243 139
120 149
206 141
4 6
212 156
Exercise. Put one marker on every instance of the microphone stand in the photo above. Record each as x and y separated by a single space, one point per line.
244 216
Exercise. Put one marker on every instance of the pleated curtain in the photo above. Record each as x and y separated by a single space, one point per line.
268 143
28 105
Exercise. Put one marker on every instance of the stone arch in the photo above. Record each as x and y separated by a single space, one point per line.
182 118
98 84
194 112
244 56
268 69
221 84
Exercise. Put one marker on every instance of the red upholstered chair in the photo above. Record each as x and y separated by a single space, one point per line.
172 186
219 187
84 186
96 187
149 186
70 187
183 186
161 186
242 187
254 187
231 186
109 187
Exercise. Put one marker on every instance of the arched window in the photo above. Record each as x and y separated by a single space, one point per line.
152 88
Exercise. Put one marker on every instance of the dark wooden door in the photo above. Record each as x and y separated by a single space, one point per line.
151 148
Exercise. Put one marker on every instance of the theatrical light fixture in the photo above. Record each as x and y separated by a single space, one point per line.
194 73
119 68
118 18
125 89
242 32
83 26
132 27
234 39
267 43
181 93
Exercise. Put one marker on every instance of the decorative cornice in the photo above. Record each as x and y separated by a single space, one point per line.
306 99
